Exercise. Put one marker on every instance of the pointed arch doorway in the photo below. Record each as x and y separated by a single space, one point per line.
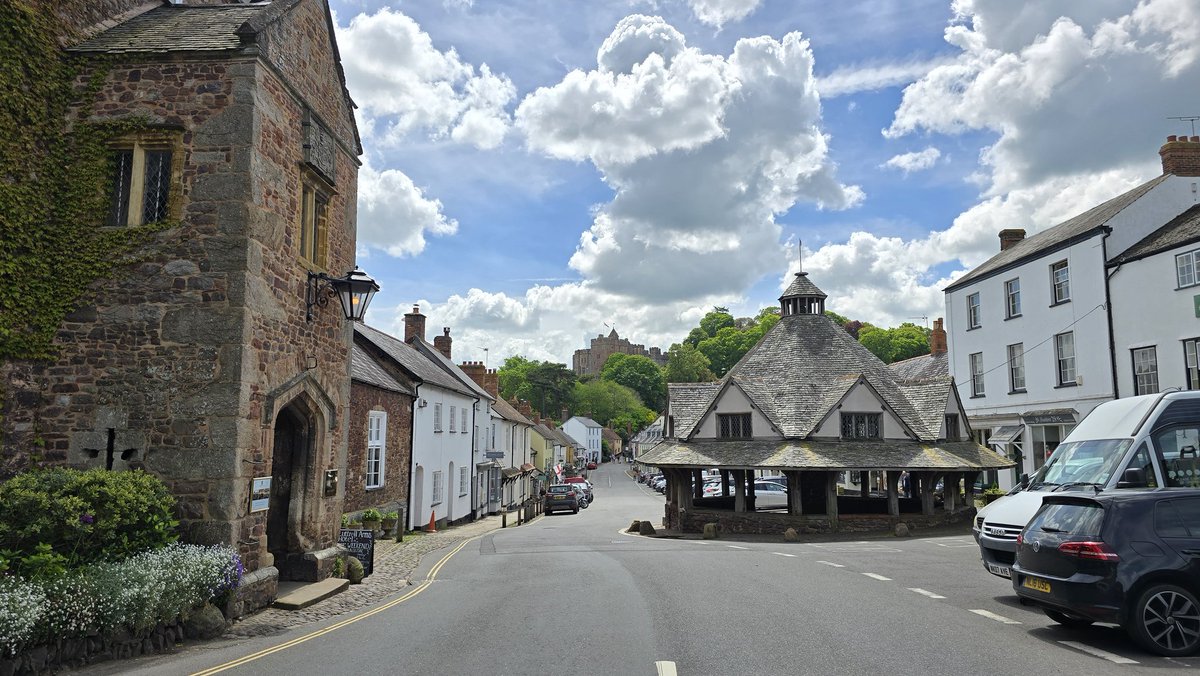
295 436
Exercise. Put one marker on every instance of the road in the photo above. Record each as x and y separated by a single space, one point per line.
572 594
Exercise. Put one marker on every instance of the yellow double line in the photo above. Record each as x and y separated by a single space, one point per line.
437 567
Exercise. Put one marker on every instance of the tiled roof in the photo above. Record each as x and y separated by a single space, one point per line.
799 370
1183 229
176 28
411 360
802 286
825 455
367 370
435 355
925 367
505 410
1037 245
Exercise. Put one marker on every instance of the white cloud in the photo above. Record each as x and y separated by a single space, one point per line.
720 12
860 78
400 78
702 152
394 214
914 161
1069 89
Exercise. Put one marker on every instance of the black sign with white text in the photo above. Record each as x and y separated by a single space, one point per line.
361 544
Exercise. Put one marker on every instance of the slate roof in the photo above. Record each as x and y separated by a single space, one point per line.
587 422
825 455
547 433
689 401
800 370
505 410
925 367
435 355
364 369
802 286
411 360
177 28
653 432
1183 229
1060 235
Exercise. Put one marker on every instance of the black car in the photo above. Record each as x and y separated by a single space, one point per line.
1130 558
561 497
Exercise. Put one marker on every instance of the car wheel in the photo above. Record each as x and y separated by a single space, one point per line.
1067 620
1166 621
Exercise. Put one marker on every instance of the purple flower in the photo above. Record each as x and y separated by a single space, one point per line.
86 518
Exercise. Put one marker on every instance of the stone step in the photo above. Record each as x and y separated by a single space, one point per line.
305 594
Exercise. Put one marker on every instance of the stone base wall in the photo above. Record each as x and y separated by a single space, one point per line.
767 523
258 590
78 652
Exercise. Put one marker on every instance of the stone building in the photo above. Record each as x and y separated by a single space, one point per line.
381 424
591 359
201 363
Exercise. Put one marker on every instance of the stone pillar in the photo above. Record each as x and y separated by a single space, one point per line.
831 506
795 504
893 492
739 490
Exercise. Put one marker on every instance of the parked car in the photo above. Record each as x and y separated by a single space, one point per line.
1146 441
769 495
591 465
1130 558
561 497
582 486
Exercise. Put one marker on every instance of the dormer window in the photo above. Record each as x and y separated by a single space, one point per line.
860 426
733 426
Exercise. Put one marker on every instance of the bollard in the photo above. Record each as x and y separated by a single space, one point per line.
504 519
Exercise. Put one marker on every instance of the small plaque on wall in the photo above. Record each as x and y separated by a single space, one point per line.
331 481
260 493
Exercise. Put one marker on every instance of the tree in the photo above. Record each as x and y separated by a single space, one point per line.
878 341
716 320
908 341
513 377
686 364
639 374
546 385
727 347
603 401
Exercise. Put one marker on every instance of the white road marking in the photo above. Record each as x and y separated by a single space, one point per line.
665 668
993 616
830 563
736 547
954 543
877 576
925 592
1096 652
846 547
790 556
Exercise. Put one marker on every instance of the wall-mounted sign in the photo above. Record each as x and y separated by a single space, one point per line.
260 493
1049 419
494 455
331 481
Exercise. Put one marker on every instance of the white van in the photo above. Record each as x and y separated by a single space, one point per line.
1136 442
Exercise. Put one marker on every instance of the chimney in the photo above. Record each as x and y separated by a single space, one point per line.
442 342
565 415
1010 236
414 325
937 338
1181 156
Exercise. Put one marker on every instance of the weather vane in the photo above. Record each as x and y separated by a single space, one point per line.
1188 118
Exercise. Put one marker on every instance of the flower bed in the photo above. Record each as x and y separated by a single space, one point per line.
105 608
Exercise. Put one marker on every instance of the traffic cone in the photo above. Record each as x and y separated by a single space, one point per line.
432 522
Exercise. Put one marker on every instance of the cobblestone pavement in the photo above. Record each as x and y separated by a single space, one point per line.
394 566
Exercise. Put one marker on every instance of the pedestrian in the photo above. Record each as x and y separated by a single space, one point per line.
905 484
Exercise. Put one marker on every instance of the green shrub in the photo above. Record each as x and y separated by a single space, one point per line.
394 516
372 514
59 519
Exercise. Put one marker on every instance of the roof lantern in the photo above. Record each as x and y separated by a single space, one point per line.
802 298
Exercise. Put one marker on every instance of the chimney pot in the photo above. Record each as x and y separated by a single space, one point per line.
1010 237
1196 139
414 325
1171 138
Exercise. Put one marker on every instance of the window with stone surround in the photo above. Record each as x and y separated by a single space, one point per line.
376 433
314 225
144 168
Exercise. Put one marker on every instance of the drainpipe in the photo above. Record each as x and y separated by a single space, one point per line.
412 457
1112 340
473 469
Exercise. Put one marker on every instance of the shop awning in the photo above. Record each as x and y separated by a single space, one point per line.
510 473
527 467
1005 434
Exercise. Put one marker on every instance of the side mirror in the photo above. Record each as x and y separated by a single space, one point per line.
1133 477
1025 480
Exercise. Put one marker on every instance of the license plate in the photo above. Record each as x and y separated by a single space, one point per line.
1035 583
1002 571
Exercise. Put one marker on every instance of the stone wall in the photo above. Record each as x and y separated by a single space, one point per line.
393 495
774 523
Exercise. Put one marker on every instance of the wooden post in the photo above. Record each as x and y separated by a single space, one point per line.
739 490
950 492
685 495
927 481
697 484
893 492
831 506
725 483
795 504
969 479
864 483
750 490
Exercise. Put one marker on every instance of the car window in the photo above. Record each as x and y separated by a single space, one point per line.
1189 511
1141 460
1181 460
1092 461
560 489
1082 519
1168 522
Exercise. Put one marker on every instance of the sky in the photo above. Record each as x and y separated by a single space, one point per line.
538 172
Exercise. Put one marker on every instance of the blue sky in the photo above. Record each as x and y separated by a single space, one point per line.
538 169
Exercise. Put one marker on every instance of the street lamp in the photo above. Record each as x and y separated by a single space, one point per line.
354 291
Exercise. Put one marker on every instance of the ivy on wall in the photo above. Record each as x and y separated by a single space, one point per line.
55 180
